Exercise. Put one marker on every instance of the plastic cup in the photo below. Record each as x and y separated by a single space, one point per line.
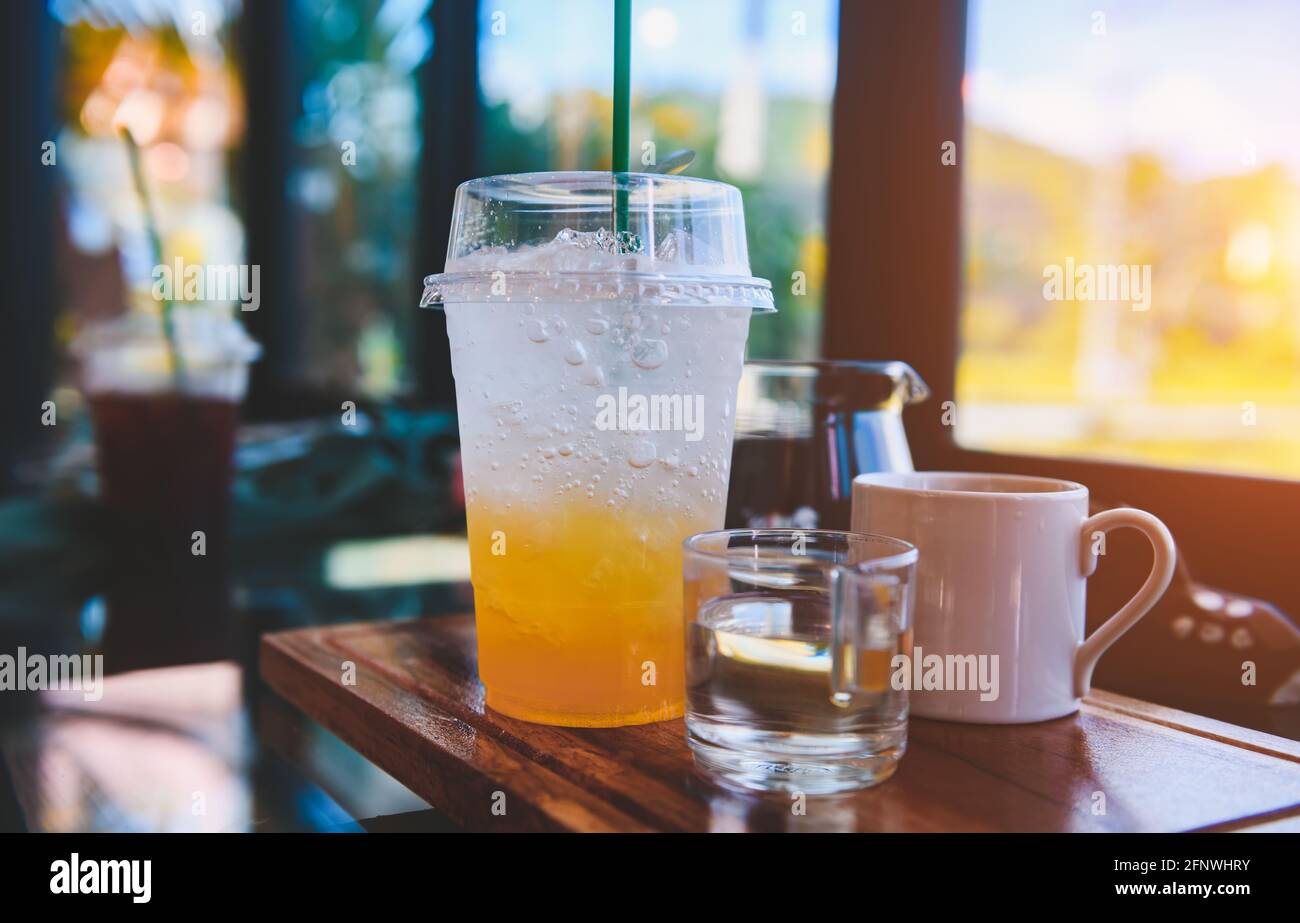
596 380
164 443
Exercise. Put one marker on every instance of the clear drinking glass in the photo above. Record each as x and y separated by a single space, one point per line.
790 644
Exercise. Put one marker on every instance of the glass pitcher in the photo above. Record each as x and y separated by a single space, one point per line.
805 430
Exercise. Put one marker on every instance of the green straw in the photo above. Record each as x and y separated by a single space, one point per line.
622 107
155 246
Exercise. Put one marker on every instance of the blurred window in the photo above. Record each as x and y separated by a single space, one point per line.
1133 233
746 84
171 72
165 72
356 182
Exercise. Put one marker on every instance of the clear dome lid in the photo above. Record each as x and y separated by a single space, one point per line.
546 237
131 353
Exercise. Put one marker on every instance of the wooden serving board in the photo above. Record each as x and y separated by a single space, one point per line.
417 710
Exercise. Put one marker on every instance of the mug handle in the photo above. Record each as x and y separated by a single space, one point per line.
1162 572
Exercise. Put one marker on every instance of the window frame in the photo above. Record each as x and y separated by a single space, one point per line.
896 236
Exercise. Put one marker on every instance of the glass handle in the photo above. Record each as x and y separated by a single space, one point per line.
870 613
845 627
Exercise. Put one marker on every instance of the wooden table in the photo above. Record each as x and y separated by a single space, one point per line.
417 710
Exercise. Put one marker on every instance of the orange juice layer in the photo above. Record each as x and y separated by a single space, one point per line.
579 612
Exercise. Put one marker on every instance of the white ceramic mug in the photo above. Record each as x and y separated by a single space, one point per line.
1000 588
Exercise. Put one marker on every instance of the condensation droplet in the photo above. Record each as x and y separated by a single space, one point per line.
641 454
597 325
650 354
537 331
576 354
